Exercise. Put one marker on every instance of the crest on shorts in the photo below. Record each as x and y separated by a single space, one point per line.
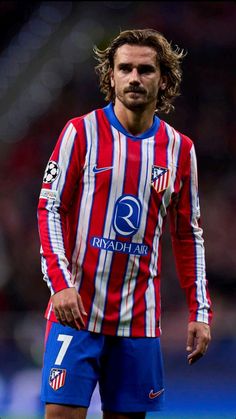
57 378
160 178
51 172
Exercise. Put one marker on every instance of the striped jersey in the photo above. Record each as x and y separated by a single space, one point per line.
101 213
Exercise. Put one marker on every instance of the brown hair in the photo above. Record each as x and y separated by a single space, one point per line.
168 58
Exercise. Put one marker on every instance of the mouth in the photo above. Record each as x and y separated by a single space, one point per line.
135 91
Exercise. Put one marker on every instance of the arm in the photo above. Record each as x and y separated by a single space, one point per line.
188 246
60 180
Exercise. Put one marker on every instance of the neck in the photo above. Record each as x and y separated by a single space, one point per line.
136 121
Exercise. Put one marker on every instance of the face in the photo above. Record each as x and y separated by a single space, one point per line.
136 77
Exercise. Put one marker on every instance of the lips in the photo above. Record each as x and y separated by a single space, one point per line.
135 91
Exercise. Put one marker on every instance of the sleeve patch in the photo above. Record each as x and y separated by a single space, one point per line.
51 172
48 194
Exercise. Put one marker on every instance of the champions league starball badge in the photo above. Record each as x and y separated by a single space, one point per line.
51 172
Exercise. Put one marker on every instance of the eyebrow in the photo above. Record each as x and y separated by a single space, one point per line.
139 67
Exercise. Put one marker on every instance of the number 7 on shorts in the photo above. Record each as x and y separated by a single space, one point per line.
66 340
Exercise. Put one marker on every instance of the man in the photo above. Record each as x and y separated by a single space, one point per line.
113 177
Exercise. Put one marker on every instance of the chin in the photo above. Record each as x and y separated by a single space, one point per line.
135 105
132 103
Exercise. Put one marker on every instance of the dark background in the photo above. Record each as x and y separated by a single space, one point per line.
47 77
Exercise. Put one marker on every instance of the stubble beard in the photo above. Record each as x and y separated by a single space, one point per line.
137 104
133 104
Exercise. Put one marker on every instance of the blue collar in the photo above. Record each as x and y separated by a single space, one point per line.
110 114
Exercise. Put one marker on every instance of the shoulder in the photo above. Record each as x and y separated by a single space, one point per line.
185 141
79 121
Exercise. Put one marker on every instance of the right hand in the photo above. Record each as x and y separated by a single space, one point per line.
68 308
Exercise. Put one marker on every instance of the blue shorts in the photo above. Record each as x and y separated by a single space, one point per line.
129 370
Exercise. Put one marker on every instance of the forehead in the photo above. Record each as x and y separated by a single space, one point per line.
135 54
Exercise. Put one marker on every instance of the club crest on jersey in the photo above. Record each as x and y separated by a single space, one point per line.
51 172
57 378
160 178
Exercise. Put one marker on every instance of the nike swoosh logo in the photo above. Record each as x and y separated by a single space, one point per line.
101 169
153 395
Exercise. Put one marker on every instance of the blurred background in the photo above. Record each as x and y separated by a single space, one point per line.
47 77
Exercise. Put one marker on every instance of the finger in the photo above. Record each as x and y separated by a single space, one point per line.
81 306
68 318
190 341
61 318
194 356
64 317
57 314
197 353
70 321
77 317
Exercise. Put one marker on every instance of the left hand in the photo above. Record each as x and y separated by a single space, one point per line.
198 339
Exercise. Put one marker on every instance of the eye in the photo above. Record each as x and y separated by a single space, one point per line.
146 69
125 68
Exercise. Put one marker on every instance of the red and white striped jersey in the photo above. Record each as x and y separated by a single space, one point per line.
101 212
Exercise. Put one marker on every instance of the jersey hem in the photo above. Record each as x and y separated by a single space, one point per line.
109 331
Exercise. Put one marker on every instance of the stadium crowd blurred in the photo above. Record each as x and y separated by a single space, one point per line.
204 111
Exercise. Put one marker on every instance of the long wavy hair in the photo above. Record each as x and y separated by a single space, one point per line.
169 59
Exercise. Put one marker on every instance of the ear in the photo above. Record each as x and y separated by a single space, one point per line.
163 82
112 78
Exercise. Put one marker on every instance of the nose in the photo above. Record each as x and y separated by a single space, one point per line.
134 76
